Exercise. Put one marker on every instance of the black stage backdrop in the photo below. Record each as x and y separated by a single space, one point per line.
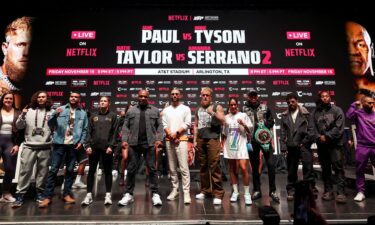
233 52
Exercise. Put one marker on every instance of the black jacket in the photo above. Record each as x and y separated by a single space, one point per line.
102 130
294 134
329 120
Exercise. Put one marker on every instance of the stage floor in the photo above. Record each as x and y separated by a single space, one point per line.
175 212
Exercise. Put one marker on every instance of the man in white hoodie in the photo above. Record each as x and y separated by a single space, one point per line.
37 145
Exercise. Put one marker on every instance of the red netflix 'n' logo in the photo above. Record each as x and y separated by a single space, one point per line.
83 34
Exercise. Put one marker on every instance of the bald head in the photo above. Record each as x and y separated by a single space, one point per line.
360 49
143 97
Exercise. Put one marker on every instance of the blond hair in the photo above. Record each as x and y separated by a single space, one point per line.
206 89
23 23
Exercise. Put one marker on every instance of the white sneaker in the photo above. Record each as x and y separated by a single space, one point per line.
359 197
156 201
173 195
200 196
128 198
87 201
108 199
187 199
79 185
234 197
7 198
248 200
114 174
217 201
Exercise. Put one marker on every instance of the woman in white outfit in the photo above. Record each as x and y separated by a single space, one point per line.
236 129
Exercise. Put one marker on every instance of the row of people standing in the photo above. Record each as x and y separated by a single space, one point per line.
69 125
72 131
325 126
145 136
238 134
143 129
33 126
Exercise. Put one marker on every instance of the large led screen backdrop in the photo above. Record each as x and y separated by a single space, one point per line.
233 52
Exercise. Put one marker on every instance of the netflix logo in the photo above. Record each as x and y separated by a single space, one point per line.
121 95
101 83
55 93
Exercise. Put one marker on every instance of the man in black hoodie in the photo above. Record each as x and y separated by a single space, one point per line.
329 122
263 121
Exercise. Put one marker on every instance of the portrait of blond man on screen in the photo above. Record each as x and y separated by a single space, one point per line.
15 49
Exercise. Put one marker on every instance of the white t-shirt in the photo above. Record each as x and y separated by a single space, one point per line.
235 143
176 117
294 115
69 130
6 127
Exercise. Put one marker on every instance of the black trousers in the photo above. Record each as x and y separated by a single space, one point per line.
117 157
254 159
293 157
134 162
107 160
331 158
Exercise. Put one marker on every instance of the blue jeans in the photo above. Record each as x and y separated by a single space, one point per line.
56 158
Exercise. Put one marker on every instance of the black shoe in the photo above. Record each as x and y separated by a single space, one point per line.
256 195
341 198
274 197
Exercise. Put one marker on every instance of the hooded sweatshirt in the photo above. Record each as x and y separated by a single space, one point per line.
28 121
365 123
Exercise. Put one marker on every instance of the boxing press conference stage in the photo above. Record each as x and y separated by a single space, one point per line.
176 212
232 52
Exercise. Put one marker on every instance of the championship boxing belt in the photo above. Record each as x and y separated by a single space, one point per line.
263 136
